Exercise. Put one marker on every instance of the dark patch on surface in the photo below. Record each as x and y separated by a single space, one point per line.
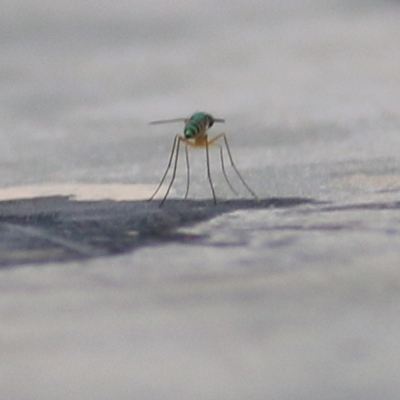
49 229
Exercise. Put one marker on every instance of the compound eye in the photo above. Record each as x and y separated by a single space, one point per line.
210 122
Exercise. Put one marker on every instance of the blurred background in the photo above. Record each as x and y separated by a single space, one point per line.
299 82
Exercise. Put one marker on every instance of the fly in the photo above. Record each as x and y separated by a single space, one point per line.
195 134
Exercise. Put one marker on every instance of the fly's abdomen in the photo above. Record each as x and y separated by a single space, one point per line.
197 123
191 129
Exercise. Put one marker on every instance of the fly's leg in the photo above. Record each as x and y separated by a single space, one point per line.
174 151
178 140
187 171
209 172
221 153
223 135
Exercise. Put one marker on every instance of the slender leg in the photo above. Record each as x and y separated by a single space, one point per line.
209 172
187 171
167 169
224 172
222 135
236 170
207 143
178 139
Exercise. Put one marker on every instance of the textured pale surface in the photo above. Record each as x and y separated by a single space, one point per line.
299 302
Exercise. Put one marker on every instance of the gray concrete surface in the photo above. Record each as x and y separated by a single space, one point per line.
295 296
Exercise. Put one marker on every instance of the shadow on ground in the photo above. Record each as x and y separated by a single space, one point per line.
41 230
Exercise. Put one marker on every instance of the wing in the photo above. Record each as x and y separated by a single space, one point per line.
167 121
219 120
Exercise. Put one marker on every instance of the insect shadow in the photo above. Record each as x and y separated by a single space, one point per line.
55 229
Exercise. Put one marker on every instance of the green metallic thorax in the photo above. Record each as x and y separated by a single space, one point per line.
197 125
